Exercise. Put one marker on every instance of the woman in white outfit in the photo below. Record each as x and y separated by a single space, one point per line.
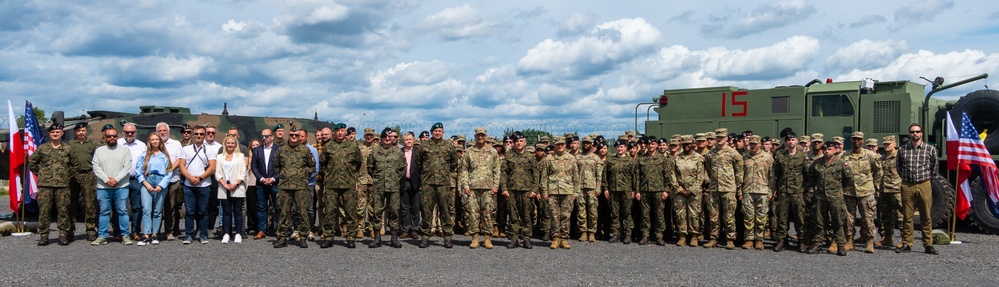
230 171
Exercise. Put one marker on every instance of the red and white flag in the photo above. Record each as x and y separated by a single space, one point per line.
972 158
16 160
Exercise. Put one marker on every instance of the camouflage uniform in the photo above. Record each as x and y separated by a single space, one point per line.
54 168
724 167
689 176
83 184
294 165
519 178
866 171
560 181
829 178
809 232
789 176
757 187
620 178
890 199
480 174
341 164
653 181
589 176
364 190
438 161
387 166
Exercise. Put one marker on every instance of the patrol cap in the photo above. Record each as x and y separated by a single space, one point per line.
622 137
872 142
530 149
335 126
559 140
754 139
700 137
838 139
480 130
459 147
629 133
817 137
79 125
594 135
676 136
461 138
709 135
369 131
804 139
107 127
686 139
888 139
55 127
857 134
539 147
674 141
720 132
437 125
516 135
544 139
569 135
587 139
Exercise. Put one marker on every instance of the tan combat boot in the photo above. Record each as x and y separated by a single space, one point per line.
759 245
694 242
495 231
488 244
583 237
554 245
729 245
832 247
564 244
593 237
870 246
748 245
886 241
475 242
682 241
849 244
711 244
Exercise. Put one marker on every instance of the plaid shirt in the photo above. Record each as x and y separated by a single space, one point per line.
917 163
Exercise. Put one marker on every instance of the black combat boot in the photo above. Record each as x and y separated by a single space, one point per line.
527 242
43 241
63 240
326 243
840 250
513 244
303 242
281 243
779 246
377 243
448 244
350 243
660 241
627 239
424 243
816 248
395 240
644 241
615 238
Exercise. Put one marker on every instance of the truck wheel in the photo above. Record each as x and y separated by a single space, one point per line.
984 213
982 106
943 201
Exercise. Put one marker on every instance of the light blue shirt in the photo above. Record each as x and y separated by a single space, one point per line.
315 155
157 165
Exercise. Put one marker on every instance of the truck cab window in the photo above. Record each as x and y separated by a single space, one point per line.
831 106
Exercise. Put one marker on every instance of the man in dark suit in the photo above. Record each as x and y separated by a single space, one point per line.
409 197
264 157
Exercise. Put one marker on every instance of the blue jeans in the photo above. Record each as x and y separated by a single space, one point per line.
196 205
265 193
152 206
135 204
105 197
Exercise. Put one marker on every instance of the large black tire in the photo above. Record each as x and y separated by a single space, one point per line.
983 212
982 106
943 201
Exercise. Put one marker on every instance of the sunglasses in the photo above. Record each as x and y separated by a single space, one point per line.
185 132
294 135
110 136
199 134
265 136
128 133
211 133
915 132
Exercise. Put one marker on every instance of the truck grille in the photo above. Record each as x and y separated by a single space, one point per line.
886 115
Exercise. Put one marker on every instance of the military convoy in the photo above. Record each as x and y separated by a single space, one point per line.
876 108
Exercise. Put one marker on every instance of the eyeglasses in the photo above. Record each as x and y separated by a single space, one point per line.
915 132
211 133
110 136
128 132
185 132
294 135
199 134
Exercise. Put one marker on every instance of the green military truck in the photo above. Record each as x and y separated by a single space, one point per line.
876 108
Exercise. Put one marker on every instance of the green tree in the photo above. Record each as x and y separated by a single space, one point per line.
39 115
533 135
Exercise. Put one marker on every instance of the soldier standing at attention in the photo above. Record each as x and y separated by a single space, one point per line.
53 164
724 166
387 165
620 177
890 199
689 176
589 175
917 164
866 171
437 160
653 178
790 167
559 183
82 184
295 164
543 209
518 183
479 179
808 230
279 134
341 163
364 182
756 192
829 176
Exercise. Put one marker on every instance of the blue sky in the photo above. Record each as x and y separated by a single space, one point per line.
474 61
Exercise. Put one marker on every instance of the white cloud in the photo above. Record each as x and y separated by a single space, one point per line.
866 54
763 18
459 22
233 26
868 20
607 45
919 12
334 12
923 63
576 24
155 71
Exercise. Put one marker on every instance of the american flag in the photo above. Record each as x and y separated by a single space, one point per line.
33 139
970 152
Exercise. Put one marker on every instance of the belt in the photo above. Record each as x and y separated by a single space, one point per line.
917 182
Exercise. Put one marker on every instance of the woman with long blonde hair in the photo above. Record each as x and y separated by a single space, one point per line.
230 171
154 171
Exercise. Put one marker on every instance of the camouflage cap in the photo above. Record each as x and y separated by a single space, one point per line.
676 136
804 139
721 132
857 135
629 133
817 137
369 131
480 130
686 139
754 139
622 137
544 139
888 139
594 135
530 149
674 141
587 139
461 137
709 135
459 147
559 140
838 139
569 135
539 146
700 137
871 142
437 125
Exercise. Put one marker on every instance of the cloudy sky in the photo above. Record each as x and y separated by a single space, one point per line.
367 60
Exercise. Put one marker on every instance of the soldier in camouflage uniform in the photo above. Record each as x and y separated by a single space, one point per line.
619 182
689 176
559 183
364 182
387 165
653 183
519 184
83 185
724 166
479 175
294 165
341 164
757 189
808 230
790 167
590 174
866 171
438 161
829 177
53 164
542 209
890 197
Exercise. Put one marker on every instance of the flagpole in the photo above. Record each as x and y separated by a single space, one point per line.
24 186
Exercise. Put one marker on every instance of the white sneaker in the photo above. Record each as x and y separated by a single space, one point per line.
156 241
141 242
239 238
187 241
225 239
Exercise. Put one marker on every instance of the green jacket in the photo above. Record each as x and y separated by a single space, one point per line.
387 167
294 165
341 164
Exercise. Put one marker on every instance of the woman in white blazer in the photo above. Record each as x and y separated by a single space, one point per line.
230 171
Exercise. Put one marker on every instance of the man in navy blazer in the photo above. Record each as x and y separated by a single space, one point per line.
262 166
409 191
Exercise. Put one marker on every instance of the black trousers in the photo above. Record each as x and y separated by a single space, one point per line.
409 205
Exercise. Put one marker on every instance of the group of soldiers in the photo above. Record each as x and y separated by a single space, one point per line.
505 188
